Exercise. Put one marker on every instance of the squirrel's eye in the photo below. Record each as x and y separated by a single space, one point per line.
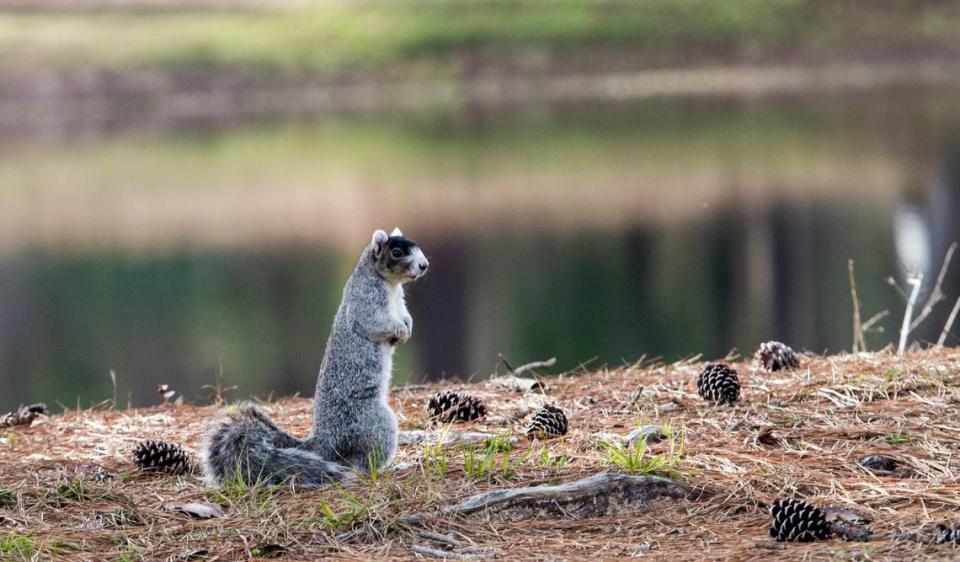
397 253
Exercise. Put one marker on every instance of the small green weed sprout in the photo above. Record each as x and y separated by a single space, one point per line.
17 544
634 459
481 462
345 517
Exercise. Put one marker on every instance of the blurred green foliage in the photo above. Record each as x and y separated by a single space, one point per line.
431 35
415 151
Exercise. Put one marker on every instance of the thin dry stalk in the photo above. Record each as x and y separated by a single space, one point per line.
936 295
113 381
546 364
528 366
859 344
949 324
908 312
873 320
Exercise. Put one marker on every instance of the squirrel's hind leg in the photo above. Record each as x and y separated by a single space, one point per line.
375 450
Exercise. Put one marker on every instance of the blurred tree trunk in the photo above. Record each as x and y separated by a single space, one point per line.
438 306
18 328
943 217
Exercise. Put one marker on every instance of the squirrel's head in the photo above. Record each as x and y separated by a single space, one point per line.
397 259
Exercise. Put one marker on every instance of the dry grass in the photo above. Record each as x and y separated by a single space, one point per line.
815 424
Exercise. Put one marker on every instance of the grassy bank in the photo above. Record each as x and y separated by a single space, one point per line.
797 434
432 38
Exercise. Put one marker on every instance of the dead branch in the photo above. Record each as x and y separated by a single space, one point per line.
587 497
503 359
873 320
467 553
439 538
949 324
908 312
517 384
513 381
858 342
936 295
437 553
535 365
527 367
893 283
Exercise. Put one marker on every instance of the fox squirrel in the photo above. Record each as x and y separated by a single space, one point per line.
353 425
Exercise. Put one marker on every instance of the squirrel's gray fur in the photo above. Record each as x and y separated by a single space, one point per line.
353 425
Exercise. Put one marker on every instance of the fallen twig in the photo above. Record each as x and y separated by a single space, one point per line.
587 497
517 384
527 366
468 553
436 552
949 324
535 365
936 295
440 538
418 437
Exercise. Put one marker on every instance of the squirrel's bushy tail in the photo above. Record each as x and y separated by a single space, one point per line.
250 448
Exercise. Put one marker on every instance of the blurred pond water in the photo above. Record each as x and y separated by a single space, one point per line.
595 232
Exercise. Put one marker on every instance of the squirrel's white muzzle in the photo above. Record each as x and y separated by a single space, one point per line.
418 264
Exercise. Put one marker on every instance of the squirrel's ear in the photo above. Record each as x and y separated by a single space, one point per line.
396 231
378 241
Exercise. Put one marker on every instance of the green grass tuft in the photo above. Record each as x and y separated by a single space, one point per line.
73 490
493 457
8 499
898 438
237 492
22 545
634 459
543 458
347 515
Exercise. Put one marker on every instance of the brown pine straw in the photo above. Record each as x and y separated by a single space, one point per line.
817 422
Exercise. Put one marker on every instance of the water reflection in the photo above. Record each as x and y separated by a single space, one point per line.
591 233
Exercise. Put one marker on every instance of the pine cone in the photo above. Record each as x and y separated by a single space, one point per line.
160 456
776 356
24 415
718 383
799 521
549 421
945 534
447 407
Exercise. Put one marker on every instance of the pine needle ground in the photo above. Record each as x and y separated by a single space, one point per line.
69 490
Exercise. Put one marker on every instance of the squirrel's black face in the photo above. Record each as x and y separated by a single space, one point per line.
398 259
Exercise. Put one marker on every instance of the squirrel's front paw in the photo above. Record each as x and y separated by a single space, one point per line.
403 334
400 335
